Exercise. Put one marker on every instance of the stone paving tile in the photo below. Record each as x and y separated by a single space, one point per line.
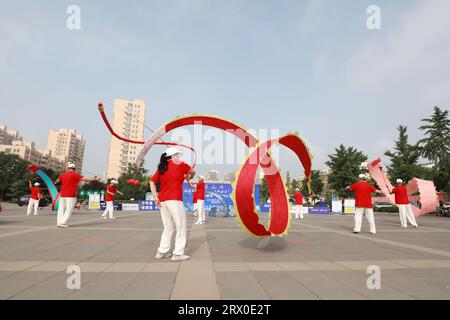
126 267
53 266
240 286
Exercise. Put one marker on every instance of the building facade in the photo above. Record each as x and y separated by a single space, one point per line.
67 146
128 121
11 142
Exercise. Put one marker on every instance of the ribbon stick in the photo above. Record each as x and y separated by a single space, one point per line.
425 188
244 185
53 191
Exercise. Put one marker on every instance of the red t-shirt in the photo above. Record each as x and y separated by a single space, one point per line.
172 181
69 184
35 191
298 198
194 194
110 197
401 195
363 194
201 191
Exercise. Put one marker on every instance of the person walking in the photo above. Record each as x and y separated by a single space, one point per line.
200 192
363 195
111 191
171 174
68 194
35 196
298 204
404 205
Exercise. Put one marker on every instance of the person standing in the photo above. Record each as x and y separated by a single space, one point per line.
404 205
363 195
195 201
111 191
34 198
200 191
68 194
171 174
298 204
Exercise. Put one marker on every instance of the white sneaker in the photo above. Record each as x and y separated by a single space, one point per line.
203 222
356 232
404 227
104 218
197 222
180 258
160 255
416 226
35 214
372 232
113 218
62 226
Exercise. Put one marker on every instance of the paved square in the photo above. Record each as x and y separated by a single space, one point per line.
319 259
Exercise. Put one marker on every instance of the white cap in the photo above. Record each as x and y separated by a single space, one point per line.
297 189
362 176
37 184
113 181
202 177
71 166
172 151
399 181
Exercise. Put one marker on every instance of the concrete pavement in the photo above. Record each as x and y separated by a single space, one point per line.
319 259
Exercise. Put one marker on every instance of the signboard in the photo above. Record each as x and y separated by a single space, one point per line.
94 201
130 207
319 210
147 205
336 206
350 205
224 190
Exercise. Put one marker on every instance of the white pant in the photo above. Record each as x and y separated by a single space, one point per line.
201 210
195 210
65 209
298 211
173 218
368 212
109 209
32 204
406 212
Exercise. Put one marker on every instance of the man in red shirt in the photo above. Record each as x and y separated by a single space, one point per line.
298 204
68 194
34 198
111 190
200 192
404 205
363 194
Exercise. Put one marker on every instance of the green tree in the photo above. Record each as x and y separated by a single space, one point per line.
13 176
404 158
294 185
132 191
288 182
345 165
436 144
264 190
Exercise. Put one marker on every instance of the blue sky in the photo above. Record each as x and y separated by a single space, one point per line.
307 66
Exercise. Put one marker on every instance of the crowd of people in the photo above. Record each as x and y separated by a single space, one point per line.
170 175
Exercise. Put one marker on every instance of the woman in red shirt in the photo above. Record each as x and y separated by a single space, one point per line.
171 174
404 205
110 197
200 193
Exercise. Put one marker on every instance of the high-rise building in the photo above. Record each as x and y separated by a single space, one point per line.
11 142
128 121
67 146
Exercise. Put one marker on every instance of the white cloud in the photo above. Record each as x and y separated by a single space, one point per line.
411 56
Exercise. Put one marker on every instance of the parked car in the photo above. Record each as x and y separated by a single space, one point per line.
384 207
23 201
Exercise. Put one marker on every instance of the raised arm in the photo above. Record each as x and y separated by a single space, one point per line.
89 179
